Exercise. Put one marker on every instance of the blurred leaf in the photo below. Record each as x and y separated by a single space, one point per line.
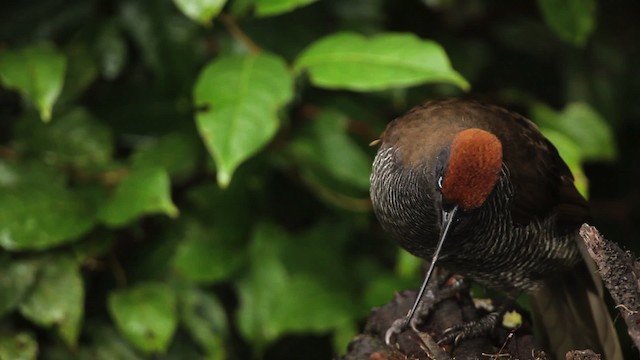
16 278
20 346
177 152
275 7
207 255
351 61
200 11
206 321
85 71
328 148
261 291
274 301
37 72
238 97
97 244
146 314
572 20
583 125
240 7
144 191
343 335
112 50
39 211
57 298
572 154
169 45
138 20
224 208
108 345
407 265
76 138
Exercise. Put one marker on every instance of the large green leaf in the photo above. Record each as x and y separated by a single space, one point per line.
16 278
238 98
274 7
583 125
85 72
201 11
37 72
571 153
20 346
351 61
57 298
205 254
107 344
76 138
572 20
38 210
206 321
177 152
327 148
276 295
261 291
145 190
146 314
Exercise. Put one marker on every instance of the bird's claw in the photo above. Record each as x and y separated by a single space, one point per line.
396 328
471 329
453 335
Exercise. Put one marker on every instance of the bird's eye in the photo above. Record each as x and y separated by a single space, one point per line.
440 182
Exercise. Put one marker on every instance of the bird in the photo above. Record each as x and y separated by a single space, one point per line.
479 190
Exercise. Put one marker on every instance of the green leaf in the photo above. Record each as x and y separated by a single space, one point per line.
327 148
37 72
57 299
407 265
207 255
275 7
76 138
200 11
38 210
351 61
20 346
95 245
108 344
261 291
583 125
146 314
16 278
572 154
85 72
343 335
206 321
177 152
572 20
112 50
275 299
239 97
144 191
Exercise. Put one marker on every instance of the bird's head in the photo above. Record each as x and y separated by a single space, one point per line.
469 169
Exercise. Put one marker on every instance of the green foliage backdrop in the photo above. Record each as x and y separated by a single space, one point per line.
189 179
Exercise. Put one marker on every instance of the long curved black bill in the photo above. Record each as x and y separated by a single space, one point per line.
447 219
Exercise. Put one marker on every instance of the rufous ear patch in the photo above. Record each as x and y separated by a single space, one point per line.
473 168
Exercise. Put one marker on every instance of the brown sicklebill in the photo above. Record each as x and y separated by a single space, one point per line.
479 190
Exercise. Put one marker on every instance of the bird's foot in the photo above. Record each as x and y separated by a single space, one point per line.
432 296
471 329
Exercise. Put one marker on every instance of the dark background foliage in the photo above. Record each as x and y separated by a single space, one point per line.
181 179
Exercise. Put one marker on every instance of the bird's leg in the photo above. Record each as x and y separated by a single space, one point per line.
478 328
436 295
433 295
